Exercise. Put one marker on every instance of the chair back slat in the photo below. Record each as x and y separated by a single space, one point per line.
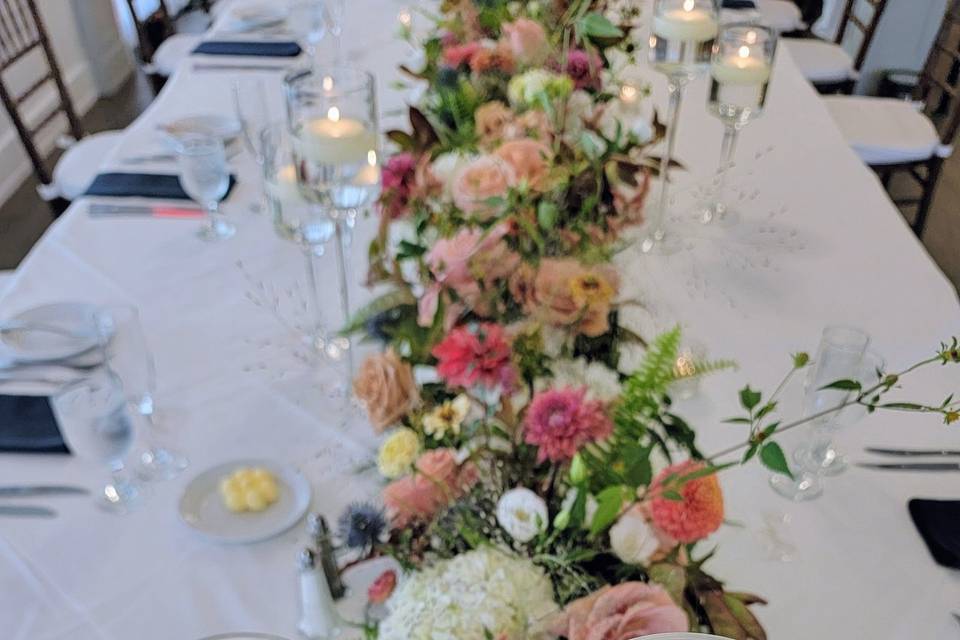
939 84
867 26
21 32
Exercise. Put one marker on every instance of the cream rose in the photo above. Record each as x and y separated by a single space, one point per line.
484 178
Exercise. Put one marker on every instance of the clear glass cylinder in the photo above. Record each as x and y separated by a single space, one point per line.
740 69
682 36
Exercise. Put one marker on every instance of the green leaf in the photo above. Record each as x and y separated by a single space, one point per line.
749 398
903 406
594 25
670 494
379 305
738 421
767 408
402 139
800 360
773 458
842 385
609 502
407 249
547 214
671 577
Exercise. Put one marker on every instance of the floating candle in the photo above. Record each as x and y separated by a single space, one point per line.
741 69
688 23
335 139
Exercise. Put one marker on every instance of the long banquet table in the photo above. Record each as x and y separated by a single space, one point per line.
819 243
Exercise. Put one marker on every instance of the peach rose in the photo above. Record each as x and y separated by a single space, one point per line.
527 41
627 610
483 178
529 160
386 387
437 482
567 293
491 120
492 59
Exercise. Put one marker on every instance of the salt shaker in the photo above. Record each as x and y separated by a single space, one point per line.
319 619
323 546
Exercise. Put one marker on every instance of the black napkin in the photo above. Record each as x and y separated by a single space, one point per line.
739 4
27 425
146 185
235 48
938 522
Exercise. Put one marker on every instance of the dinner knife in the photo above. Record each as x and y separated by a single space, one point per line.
40 490
913 452
911 466
28 512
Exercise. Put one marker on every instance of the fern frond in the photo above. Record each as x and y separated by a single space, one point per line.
699 368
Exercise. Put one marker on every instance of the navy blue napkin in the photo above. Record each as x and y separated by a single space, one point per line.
739 4
145 185
235 48
938 522
27 425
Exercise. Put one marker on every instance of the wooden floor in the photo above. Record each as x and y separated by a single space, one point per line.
24 217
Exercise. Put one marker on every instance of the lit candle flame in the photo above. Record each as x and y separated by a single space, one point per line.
744 52
688 5
334 114
628 93
372 158
405 18
751 37
327 83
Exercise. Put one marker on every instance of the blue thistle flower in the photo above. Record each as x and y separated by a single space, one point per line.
361 524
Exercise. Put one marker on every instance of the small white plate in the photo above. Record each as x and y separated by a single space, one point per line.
223 127
357 579
26 345
253 15
202 508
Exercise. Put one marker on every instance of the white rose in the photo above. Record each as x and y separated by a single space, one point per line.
522 514
625 118
633 539
602 383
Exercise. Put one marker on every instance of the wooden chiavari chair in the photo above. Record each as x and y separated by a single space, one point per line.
827 64
895 136
161 49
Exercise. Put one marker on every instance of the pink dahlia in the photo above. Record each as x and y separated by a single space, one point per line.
560 421
477 354
699 514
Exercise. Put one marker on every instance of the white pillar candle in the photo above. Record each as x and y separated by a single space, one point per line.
740 69
686 23
335 140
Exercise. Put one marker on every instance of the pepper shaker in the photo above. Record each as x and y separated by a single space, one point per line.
323 546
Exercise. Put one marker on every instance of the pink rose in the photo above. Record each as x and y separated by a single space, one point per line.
460 54
625 611
528 159
483 178
527 41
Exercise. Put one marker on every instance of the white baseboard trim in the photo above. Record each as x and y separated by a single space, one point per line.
14 164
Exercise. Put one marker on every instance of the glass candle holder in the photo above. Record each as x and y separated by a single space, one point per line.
740 69
681 42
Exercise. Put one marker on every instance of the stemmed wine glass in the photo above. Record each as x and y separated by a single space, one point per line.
303 222
205 177
127 355
739 76
839 357
332 117
250 104
92 415
681 42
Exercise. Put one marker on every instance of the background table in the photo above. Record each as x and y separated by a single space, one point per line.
820 243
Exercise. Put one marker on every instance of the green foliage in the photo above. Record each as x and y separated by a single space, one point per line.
773 458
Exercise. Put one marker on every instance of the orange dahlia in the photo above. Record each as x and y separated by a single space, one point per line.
698 514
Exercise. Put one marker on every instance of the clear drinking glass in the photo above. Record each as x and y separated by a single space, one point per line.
739 76
306 224
309 19
332 116
92 415
336 9
205 177
681 42
250 104
840 356
128 356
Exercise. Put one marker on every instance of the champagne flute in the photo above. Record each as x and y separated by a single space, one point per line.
205 178
333 122
92 415
739 76
681 41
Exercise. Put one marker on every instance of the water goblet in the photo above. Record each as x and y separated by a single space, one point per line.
333 122
127 355
92 415
205 177
740 68
681 42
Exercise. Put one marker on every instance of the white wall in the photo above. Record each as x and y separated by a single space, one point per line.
78 54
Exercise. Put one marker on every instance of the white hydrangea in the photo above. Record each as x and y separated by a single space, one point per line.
601 382
465 598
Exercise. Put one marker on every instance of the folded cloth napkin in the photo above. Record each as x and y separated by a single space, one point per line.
145 185
739 4
27 425
237 48
938 522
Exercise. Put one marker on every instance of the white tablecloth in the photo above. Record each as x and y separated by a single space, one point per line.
819 243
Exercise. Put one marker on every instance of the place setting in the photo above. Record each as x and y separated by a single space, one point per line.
553 359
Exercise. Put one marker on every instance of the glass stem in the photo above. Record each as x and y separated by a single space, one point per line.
730 134
675 88
344 288
317 331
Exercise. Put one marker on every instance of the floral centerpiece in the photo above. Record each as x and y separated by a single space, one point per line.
537 481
